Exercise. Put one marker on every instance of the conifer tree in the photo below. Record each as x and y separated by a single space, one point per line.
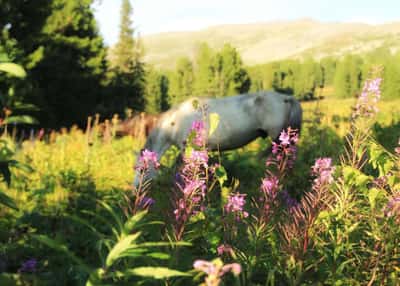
156 91
126 65
231 76
205 72
182 82
68 65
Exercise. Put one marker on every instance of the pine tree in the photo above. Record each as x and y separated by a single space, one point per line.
328 66
156 91
126 65
391 76
342 79
68 65
182 82
231 77
205 72
124 54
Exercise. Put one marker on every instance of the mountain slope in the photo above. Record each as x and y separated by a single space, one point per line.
265 42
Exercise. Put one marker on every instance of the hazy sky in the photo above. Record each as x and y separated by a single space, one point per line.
154 16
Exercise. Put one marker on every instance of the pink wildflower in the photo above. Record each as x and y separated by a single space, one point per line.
285 151
323 169
197 159
370 95
397 149
215 270
146 160
200 133
235 205
284 138
224 248
269 186
393 207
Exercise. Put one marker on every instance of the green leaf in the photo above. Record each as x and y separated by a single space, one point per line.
222 175
114 215
25 106
214 121
5 172
159 244
13 69
159 255
197 217
133 221
123 245
372 195
7 201
21 119
154 272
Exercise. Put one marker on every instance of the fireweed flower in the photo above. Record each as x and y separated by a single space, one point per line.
196 159
269 187
191 185
224 248
198 128
284 152
397 149
291 203
147 159
323 170
235 206
215 270
146 202
278 163
393 207
28 266
370 95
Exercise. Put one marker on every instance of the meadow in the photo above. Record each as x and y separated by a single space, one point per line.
72 216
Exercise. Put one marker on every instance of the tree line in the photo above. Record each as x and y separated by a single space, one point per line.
72 74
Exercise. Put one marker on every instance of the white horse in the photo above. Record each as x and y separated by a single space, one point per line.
242 118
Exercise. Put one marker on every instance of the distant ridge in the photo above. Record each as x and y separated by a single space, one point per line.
265 42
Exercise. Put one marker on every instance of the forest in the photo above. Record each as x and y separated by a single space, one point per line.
322 208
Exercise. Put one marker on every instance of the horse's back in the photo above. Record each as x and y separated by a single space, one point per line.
242 118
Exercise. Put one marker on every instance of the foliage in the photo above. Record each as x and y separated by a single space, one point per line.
73 208
127 74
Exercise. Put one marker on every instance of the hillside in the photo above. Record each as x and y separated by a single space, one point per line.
265 42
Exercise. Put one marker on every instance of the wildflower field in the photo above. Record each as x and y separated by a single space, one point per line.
322 209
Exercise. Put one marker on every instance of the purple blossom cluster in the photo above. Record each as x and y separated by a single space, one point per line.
285 151
199 130
28 265
146 202
323 170
191 183
290 203
393 207
281 160
367 101
147 160
397 149
215 270
235 206
224 248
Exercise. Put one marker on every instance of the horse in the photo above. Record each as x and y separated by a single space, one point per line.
242 118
